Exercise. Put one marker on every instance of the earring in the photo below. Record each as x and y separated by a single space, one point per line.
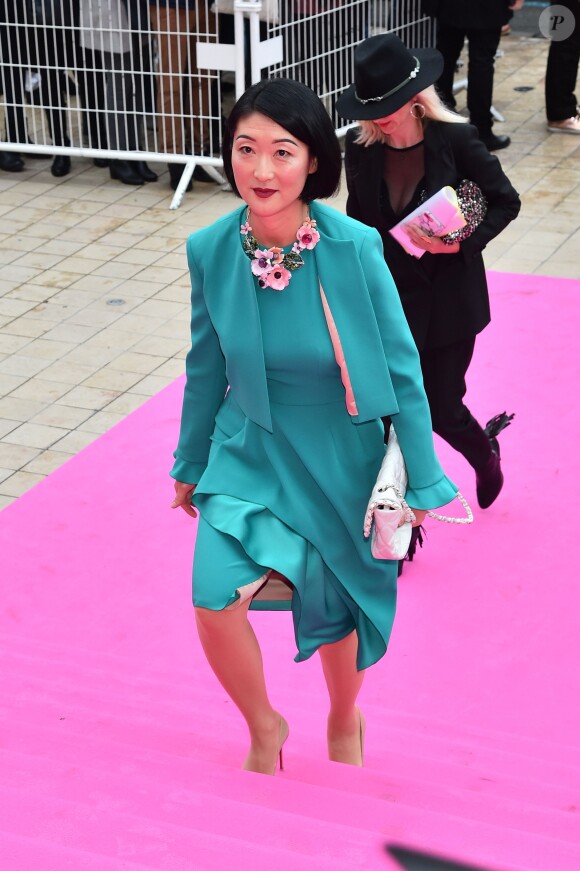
421 114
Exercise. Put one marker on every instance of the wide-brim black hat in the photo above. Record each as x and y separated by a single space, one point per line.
386 75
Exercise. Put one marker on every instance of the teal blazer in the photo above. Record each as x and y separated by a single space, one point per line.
380 356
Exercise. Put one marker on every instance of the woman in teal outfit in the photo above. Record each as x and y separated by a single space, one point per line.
299 348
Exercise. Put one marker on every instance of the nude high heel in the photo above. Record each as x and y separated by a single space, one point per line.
363 727
279 758
284 732
361 736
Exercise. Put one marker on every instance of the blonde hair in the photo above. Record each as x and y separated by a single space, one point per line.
435 110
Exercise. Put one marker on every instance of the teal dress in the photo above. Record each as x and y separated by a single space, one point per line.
293 500
283 468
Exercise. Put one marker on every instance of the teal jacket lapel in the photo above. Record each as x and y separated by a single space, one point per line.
233 308
236 318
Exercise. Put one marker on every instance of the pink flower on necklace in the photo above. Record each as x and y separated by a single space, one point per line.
278 278
307 235
271 266
277 256
262 262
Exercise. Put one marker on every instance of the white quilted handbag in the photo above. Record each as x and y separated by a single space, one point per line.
388 515
393 519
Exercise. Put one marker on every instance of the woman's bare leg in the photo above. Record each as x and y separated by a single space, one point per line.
233 652
344 683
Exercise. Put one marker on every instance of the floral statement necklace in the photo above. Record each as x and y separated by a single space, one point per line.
271 266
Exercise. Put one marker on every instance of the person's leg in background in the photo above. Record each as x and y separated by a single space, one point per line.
450 43
53 55
54 101
202 93
170 28
483 46
93 90
124 120
12 88
145 85
561 74
444 370
138 95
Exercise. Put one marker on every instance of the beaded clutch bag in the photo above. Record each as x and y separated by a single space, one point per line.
473 206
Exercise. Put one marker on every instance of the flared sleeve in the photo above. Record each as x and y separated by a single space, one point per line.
205 385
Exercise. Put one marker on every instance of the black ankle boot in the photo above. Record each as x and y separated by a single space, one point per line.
11 162
489 479
60 165
123 170
145 171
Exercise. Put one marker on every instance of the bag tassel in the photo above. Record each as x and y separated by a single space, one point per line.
494 426
417 534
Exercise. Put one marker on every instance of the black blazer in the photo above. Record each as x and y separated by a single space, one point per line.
444 296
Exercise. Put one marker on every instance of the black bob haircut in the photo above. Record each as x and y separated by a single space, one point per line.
298 110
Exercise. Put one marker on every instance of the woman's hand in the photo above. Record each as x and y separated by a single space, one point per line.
183 494
432 244
420 516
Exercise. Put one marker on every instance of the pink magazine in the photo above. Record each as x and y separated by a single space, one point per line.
438 215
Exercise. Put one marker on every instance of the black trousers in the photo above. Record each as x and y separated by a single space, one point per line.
482 48
113 108
562 71
54 52
444 371
12 58
320 49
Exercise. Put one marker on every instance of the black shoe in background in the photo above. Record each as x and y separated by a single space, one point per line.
201 174
175 173
145 171
125 171
101 162
496 143
60 165
11 162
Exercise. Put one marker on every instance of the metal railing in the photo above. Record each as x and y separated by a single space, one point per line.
316 40
138 80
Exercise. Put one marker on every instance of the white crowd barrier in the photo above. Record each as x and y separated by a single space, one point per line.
131 79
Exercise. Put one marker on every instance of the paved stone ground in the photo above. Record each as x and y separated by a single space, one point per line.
94 287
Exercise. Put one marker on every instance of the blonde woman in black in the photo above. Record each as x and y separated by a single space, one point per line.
406 148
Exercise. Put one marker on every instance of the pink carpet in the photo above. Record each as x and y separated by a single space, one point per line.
120 752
